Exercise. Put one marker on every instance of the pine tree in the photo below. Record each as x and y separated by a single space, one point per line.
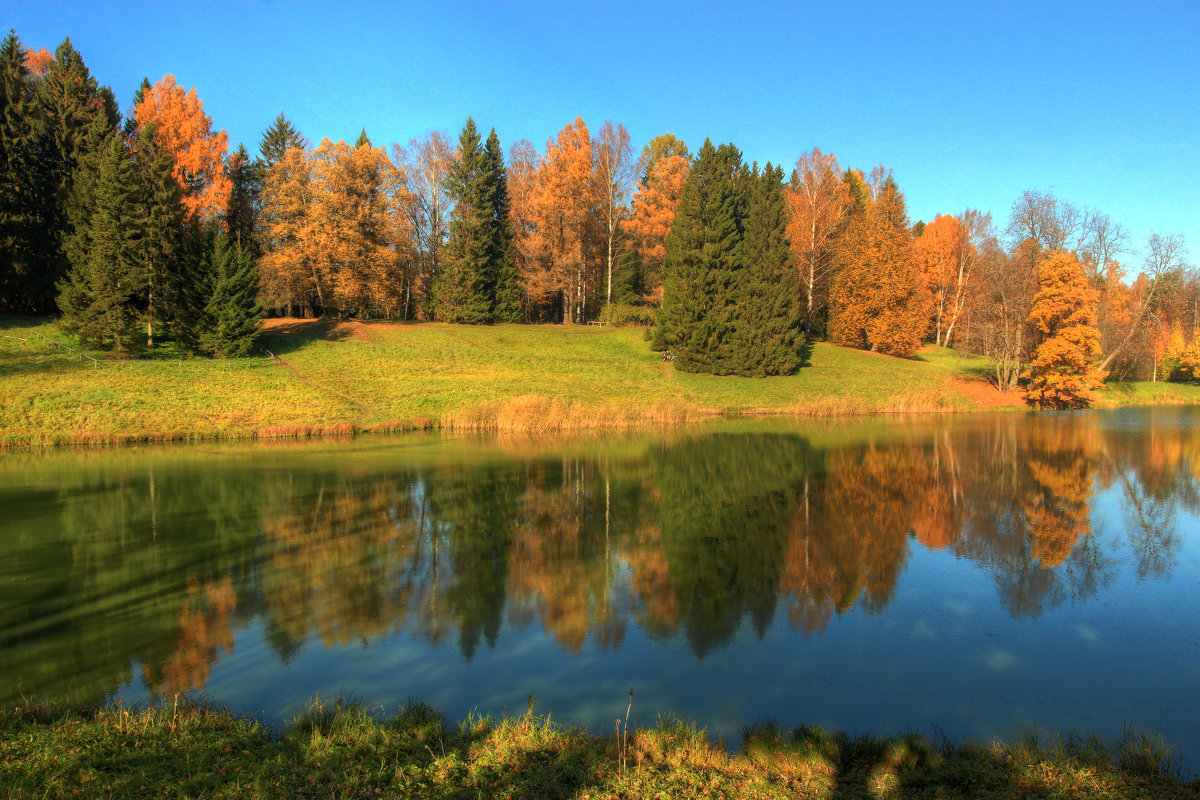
232 312
242 211
25 188
363 139
505 280
770 322
80 116
277 140
157 210
461 291
103 295
702 261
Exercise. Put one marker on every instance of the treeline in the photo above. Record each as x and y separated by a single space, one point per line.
737 266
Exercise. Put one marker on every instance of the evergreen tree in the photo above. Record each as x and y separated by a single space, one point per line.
362 139
233 315
505 278
102 298
157 210
770 322
80 116
277 140
25 233
131 123
700 273
242 211
194 287
461 291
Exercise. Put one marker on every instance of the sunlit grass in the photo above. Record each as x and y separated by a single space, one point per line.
342 378
339 748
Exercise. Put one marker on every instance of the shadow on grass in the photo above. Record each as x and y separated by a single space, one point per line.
288 336
339 748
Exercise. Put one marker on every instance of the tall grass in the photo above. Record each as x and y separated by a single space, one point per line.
340 748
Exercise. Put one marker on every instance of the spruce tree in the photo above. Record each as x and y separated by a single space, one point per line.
242 210
703 258
157 210
363 139
233 315
461 291
277 140
194 288
24 188
770 322
80 117
505 279
102 298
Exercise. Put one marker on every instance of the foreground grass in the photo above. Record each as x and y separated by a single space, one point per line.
342 378
183 749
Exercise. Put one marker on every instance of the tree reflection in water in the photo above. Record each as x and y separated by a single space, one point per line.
693 536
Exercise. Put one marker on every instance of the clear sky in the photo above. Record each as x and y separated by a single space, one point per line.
969 102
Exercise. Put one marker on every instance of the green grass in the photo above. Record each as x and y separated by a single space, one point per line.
339 378
345 750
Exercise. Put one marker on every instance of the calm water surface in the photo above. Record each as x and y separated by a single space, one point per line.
982 574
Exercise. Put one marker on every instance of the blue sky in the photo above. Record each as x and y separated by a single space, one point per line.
970 102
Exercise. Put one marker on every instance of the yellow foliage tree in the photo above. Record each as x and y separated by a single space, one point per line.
1063 373
654 206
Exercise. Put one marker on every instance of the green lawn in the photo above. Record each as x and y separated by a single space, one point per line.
340 377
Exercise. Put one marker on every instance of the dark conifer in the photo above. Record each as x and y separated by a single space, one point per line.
157 210
242 210
102 297
25 192
277 140
461 291
770 322
80 116
233 315
505 280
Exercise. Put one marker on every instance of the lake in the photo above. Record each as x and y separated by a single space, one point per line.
982 574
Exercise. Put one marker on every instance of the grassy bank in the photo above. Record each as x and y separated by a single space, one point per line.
334 378
187 750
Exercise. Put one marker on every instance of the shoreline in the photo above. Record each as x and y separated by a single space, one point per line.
343 379
184 748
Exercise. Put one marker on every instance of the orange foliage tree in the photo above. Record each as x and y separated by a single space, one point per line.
654 205
817 203
939 253
878 300
523 164
1062 374
564 212
287 268
183 129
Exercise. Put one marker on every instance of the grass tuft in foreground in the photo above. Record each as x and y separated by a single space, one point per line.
342 748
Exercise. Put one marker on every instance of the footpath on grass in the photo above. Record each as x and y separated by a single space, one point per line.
320 378
183 749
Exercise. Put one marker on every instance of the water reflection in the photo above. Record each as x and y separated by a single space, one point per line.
146 563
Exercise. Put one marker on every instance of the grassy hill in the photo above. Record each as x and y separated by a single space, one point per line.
343 377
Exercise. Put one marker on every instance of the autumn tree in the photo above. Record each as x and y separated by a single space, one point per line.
878 301
198 152
817 204
615 173
665 145
946 255
1063 373
289 263
426 163
563 214
1162 271
1003 295
355 192
527 249
653 213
